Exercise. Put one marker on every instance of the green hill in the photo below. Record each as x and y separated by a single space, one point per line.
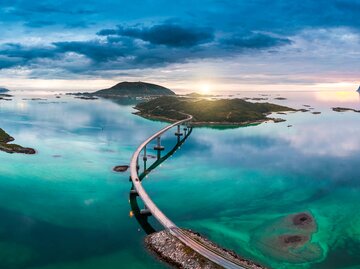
134 89
208 112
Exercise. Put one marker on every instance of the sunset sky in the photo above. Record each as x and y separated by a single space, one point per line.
208 45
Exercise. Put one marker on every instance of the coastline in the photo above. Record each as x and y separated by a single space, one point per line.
210 124
172 251
5 138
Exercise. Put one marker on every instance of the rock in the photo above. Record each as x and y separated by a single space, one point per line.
121 168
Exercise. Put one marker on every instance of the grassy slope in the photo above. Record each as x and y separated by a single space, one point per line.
220 111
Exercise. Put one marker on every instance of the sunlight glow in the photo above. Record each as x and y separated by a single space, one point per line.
205 88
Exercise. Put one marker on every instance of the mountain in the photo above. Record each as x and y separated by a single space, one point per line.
358 90
134 89
2 90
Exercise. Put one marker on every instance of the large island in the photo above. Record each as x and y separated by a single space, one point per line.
133 89
5 138
209 112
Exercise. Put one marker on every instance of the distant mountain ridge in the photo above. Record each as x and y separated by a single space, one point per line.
2 90
134 89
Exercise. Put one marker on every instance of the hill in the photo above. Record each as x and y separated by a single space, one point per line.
2 90
358 90
209 112
134 89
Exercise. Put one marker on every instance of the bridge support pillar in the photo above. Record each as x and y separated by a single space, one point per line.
134 192
158 147
145 212
158 144
145 155
178 133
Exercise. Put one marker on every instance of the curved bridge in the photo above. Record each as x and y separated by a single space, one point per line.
152 209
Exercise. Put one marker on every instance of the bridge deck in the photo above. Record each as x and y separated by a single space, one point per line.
163 219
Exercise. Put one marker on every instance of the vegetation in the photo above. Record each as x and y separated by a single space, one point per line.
208 112
5 138
134 89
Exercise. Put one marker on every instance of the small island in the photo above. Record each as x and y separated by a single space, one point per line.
5 138
344 109
223 112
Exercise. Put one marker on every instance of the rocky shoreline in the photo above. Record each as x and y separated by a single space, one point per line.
171 250
12 148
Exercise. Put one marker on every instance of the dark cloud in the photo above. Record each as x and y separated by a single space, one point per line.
93 49
15 50
171 35
255 41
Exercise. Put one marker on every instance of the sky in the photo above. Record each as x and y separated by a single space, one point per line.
203 45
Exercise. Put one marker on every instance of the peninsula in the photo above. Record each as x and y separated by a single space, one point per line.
236 112
5 138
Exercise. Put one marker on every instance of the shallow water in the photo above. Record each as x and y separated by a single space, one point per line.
65 208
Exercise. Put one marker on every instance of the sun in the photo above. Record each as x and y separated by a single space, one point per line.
205 88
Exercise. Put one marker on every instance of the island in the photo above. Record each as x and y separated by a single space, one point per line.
225 112
344 109
5 138
3 90
134 89
126 91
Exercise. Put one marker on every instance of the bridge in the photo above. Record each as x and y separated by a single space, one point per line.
151 208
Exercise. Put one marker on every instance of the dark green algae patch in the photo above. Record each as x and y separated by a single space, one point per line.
8 147
289 239
221 112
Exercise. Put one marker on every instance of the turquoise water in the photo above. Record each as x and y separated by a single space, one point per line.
65 208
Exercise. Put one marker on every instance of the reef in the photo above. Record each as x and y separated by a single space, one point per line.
288 238
121 168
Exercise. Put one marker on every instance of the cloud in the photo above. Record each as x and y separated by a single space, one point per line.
171 35
256 41
313 36
96 50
